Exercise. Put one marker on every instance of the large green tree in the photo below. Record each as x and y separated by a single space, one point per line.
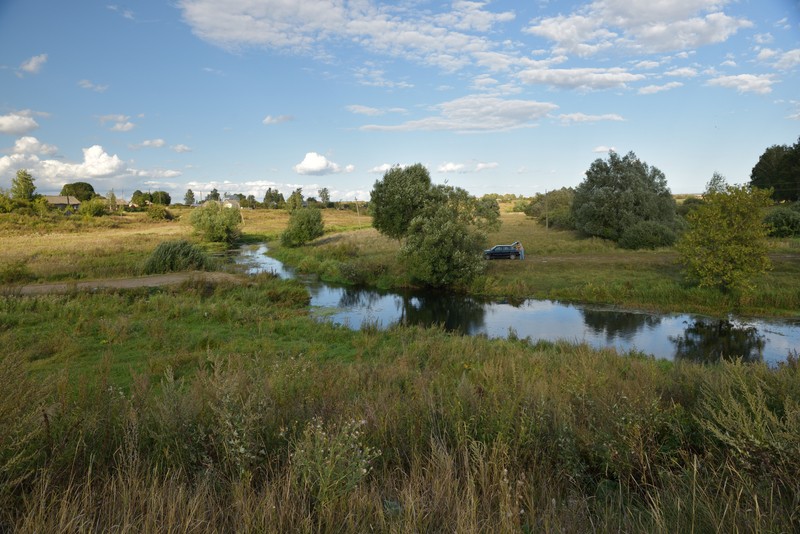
620 192
161 197
188 198
725 246
22 187
216 223
295 200
778 169
398 197
81 190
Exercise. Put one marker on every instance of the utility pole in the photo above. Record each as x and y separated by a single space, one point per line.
546 213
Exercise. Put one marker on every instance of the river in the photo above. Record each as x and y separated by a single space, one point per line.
667 336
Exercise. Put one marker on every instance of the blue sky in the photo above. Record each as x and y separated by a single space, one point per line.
500 96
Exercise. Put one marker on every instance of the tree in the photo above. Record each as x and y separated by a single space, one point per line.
216 223
295 200
273 199
141 199
324 196
725 246
304 226
553 208
441 249
213 195
619 193
22 187
778 169
161 197
188 198
397 198
81 190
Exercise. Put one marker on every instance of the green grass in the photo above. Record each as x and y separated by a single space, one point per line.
226 408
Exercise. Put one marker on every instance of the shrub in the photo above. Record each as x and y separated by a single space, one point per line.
95 207
14 272
159 212
647 234
217 223
179 255
783 222
304 225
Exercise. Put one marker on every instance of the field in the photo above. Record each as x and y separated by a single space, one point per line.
222 406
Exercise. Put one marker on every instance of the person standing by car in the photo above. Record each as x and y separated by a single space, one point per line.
520 249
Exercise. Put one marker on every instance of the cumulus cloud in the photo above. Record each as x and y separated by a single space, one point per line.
180 149
17 123
451 167
31 145
477 113
746 83
86 84
653 89
683 72
602 149
569 118
486 166
121 122
33 65
97 163
364 110
318 165
269 119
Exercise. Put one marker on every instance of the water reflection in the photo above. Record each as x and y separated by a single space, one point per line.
709 341
618 324
664 336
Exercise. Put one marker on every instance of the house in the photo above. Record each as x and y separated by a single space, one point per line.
62 201
230 203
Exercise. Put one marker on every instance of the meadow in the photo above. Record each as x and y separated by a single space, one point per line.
213 407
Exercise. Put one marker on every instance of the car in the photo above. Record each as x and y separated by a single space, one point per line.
499 252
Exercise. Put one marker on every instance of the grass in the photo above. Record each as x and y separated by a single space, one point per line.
226 408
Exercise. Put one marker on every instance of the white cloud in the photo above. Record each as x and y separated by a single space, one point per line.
180 149
17 123
318 165
582 117
648 64
86 84
477 113
269 119
638 25
31 145
451 167
766 53
588 78
364 110
96 164
150 143
653 89
33 65
602 149
445 40
373 77
746 83
121 122
789 60
486 166
382 169
684 72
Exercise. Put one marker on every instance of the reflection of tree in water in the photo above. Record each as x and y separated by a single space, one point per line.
456 314
618 324
709 341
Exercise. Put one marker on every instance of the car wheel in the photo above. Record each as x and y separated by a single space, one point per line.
513 256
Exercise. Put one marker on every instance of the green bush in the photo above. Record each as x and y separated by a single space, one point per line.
95 207
159 212
647 234
304 225
15 272
179 255
217 223
783 222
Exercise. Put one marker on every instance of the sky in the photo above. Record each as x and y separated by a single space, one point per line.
492 96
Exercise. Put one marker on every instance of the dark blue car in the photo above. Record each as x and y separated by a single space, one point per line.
502 252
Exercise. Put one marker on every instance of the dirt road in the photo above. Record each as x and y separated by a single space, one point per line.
118 283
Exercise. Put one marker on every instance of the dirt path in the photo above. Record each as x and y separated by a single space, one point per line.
119 283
